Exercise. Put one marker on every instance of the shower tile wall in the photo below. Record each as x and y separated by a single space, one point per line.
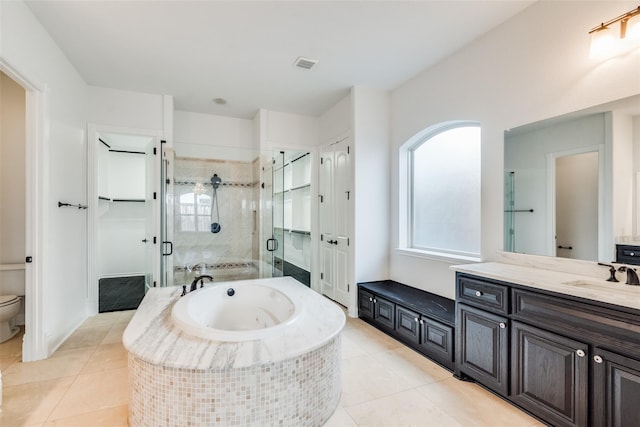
228 254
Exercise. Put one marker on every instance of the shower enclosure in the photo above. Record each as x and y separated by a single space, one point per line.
222 214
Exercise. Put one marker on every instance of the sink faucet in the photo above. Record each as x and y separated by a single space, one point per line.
612 272
194 284
632 276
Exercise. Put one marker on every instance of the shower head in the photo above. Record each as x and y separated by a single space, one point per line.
215 180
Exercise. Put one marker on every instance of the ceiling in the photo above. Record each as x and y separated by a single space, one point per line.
244 51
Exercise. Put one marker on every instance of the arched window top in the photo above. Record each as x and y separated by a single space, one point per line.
443 190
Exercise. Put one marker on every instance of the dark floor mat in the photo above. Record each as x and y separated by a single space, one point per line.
120 293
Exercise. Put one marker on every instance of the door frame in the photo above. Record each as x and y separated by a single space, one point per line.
93 130
34 345
551 197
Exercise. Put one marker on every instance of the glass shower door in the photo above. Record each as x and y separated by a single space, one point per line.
278 196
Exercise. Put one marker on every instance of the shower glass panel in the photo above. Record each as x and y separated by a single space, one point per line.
212 214
509 211
278 214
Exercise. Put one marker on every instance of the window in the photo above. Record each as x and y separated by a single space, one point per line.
444 190
195 212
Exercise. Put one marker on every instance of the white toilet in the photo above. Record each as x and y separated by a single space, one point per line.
9 309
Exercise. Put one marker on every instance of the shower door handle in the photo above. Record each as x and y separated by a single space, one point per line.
170 248
272 244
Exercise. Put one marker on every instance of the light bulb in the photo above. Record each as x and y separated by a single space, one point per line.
602 43
633 30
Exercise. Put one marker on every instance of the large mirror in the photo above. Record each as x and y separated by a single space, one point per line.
572 183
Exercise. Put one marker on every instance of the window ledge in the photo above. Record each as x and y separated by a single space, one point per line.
437 256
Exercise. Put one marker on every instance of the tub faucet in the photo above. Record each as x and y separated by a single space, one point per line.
632 276
194 284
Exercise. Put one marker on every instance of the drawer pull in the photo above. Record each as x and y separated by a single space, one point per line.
580 353
374 301
370 299
597 359
416 319
478 293
502 325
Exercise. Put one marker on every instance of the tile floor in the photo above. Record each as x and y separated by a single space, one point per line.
84 383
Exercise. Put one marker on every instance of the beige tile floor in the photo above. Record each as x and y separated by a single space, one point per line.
84 384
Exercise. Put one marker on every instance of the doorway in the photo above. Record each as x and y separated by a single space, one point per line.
575 203
334 221
12 208
123 243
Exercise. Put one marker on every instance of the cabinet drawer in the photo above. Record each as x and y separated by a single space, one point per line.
385 312
627 254
408 324
481 293
436 340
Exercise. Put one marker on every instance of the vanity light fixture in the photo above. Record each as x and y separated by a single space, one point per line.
605 43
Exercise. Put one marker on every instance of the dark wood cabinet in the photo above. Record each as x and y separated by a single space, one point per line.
550 375
483 347
423 321
384 312
408 324
365 304
376 309
570 361
436 340
616 389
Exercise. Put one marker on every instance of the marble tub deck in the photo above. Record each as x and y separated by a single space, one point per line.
151 335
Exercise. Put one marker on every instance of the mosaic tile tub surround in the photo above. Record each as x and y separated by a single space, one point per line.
290 378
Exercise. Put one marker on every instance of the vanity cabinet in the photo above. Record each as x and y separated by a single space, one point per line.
616 387
422 320
567 360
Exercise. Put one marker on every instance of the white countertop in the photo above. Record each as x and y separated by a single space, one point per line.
152 336
586 287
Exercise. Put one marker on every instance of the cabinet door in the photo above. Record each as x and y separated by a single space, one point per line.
482 347
408 324
436 340
549 375
616 390
384 312
365 304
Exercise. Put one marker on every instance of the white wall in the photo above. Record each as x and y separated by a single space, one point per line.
32 53
371 169
291 130
214 137
126 109
336 121
532 67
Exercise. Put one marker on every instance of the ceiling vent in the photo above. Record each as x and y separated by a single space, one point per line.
305 63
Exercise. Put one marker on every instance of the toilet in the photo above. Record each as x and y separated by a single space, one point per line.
9 309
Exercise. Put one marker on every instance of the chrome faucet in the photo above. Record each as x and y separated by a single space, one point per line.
632 276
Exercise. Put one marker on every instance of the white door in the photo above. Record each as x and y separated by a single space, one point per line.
577 206
335 191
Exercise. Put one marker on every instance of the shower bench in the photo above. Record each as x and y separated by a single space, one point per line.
419 319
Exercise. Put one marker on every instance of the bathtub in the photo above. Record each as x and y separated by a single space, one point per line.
267 355
238 311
